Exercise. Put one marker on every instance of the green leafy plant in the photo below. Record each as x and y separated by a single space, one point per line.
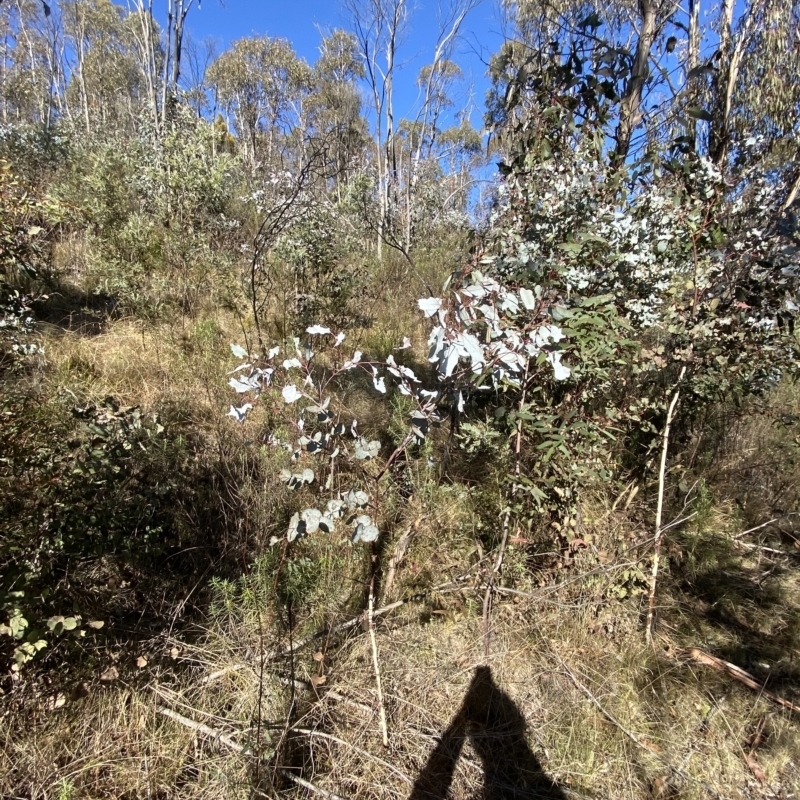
342 456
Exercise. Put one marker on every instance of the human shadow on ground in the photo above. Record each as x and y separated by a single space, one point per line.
495 728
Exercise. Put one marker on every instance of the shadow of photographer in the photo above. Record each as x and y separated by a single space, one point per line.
495 728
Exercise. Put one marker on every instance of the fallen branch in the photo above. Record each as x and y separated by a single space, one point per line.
217 736
651 604
220 673
763 549
308 785
758 527
330 694
737 673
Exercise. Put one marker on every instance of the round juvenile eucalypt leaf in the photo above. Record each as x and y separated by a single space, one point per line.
311 517
366 450
326 524
295 479
366 530
60 623
356 499
419 425
297 527
333 509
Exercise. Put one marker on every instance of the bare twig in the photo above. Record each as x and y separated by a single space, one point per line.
330 694
630 491
221 673
310 786
737 673
758 527
175 699
202 729
651 605
487 597
374 645
763 548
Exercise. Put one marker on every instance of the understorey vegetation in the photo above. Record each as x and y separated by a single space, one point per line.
345 455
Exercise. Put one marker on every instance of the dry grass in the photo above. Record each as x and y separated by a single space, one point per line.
695 728
604 716
144 364
113 744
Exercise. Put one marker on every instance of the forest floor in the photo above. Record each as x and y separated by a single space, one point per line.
208 682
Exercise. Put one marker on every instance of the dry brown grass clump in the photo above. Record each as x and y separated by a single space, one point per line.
584 708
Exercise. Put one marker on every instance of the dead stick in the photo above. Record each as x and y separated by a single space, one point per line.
375 664
487 597
737 673
330 694
200 728
764 524
651 605
220 673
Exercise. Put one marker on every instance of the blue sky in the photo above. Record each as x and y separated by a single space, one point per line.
301 21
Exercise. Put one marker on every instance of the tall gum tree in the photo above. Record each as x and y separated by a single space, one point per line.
262 84
380 27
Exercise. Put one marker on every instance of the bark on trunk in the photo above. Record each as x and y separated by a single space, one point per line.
630 113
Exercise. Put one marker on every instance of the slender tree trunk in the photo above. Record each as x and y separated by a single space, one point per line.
81 55
31 60
429 114
731 53
165 73
380 165
148 58
630 108
3 75
64 105
693 58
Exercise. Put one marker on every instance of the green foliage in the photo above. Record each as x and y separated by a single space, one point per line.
158 218
75 482
23 218
598 285
327 283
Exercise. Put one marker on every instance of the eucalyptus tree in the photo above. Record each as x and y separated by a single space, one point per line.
700 75
196 90
107 75
177 11
147 39
263 84
31 63
380 28
335 106
636 244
